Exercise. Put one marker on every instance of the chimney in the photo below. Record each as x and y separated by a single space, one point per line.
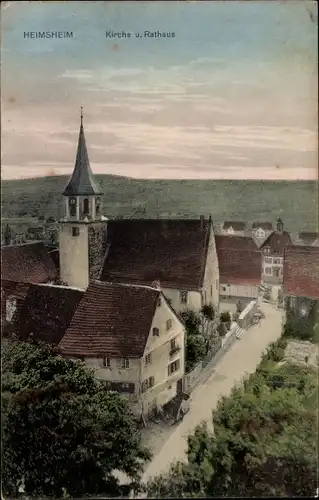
201 218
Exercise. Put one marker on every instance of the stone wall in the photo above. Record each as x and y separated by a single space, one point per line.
246 317
97 247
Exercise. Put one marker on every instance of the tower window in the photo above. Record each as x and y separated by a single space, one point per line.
97 206
72 206
86 206
75 231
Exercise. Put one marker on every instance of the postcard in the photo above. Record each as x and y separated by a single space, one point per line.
160 243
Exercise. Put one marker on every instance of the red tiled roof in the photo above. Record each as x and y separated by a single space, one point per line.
236 225
171 251
277 242
46 312
28 263
239 262
112 320
301 271
235 242
15 290
267 226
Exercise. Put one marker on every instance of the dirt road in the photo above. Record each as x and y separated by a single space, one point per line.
242 358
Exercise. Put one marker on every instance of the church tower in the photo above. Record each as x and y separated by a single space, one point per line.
82 232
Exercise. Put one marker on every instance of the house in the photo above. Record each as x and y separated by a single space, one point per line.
133 339
178 254
21 266
234 227
239 270
261 230
45 313
308 239
301 277
273 254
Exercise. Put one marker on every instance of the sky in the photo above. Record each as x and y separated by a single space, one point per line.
233 95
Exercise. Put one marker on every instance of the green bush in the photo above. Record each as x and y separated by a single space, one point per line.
225 317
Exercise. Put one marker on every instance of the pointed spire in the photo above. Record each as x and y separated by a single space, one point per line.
82 181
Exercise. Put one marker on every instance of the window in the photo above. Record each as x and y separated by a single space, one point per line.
75 231
125 363
216 284
173 344
169 324
155 332
183 296
276 261
173 367
106 363
224 289
268 270
11 306
211 290
268 260
148 384
72 206
148 359
86 209
97 206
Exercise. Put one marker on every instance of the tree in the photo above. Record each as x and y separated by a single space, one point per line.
209 312
195 350
225 317
7 237
263 443
62 431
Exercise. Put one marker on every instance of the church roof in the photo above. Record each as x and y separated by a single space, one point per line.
277 241
172 251
112 320
82 181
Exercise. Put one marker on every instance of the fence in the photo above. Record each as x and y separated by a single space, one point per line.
246 317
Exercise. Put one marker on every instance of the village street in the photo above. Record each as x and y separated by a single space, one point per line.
170 444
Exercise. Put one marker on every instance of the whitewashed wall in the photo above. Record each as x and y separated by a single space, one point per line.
74 255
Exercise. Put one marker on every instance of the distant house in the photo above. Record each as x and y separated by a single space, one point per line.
133 339
308 239
301 277
234 227
180 255
21 266
239 269
45 313
261 230
273 254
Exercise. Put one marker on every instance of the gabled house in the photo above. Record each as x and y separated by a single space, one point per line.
239 269
261 230
21 266
133 339
180 255
273 254
237 228
301 278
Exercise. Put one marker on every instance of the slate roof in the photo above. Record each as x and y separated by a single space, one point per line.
267 226
277 241
46 312
236 225
112 320
82 181
301 271
242 267
173 251
28 263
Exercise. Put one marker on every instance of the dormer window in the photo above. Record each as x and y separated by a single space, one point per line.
86 208
72 206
